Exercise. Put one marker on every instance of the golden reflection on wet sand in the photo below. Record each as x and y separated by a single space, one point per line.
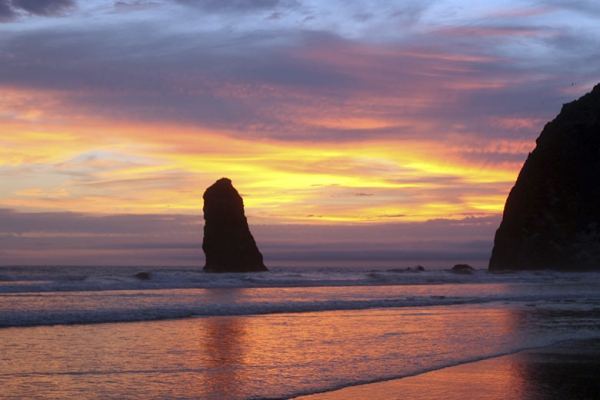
568 370
495 379
222 349
276 355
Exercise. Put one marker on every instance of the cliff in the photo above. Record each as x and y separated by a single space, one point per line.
552 215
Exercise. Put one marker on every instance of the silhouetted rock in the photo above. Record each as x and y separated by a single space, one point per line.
463 269
418 268
144 276
228 243
552 214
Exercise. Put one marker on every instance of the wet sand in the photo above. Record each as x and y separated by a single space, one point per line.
569 370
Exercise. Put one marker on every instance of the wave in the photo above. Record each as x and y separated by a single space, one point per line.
69 295
68 279
67 316
35 318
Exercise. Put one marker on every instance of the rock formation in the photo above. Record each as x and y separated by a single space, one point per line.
418 268
228 243
462 269
552 215
143 276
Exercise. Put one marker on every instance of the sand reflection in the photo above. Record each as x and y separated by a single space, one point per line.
279 355
489 379
567 370
223 354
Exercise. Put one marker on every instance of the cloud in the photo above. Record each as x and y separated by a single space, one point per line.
434 242
70 223
44 7
123 6
585 6
519 31
6 11
294 84
430 113
126 239
238 6
9 9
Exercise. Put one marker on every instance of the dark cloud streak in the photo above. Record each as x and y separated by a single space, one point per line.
129 239
44 7
584 6
6 11
15 223
9 9
238 6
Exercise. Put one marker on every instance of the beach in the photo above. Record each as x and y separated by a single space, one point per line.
102 333
568 370
299 199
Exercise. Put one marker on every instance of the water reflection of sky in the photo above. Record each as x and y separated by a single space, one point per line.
273 355
568 371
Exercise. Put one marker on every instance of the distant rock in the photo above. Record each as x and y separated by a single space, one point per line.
228 243
418 268
552 215
143 276
463 269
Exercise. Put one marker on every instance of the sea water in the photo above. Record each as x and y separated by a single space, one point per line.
102 332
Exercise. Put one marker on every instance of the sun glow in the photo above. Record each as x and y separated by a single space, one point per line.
157 169
351 161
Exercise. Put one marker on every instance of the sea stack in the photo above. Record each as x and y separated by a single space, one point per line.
228 243
552 215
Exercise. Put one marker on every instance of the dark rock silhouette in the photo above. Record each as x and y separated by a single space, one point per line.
463 269
228 243
143 276
552 215
418 268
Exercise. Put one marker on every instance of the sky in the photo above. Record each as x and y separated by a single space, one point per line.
380 132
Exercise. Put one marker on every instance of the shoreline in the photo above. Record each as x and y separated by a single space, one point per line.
566 370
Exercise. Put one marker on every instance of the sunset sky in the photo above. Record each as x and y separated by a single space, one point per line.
382 132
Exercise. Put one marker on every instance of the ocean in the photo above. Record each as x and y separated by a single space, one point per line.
172 332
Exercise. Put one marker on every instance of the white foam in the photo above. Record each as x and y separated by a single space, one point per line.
66 296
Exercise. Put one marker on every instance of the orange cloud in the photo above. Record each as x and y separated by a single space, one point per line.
355 160
281 182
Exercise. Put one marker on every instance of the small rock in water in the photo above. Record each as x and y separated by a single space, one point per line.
144 276
465 269
418 268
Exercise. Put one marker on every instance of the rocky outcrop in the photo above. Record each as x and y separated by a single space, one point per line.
143 276
462 269
228 244
552 215
418 268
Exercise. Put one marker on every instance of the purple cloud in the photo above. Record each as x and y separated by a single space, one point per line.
238 6
72 238
44 7
6 11
250 80
48 8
